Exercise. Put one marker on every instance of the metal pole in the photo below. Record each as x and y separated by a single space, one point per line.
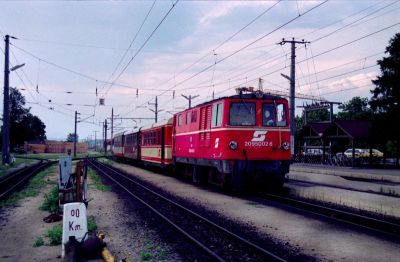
112 128
190 97
6 103
292 80
156 112
292 96
76 120
105 136
95 140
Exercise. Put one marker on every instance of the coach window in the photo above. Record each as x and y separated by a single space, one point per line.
194 116
281 115
269 115
180 119
188 115
242 114
216 115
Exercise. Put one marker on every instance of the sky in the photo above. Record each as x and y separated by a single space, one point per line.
134 51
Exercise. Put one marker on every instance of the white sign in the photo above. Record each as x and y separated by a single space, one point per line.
74 223
65 165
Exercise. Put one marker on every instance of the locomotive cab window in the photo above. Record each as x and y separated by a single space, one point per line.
281 115
242 114
216 115
269 115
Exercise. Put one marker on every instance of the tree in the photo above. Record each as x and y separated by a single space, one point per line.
355 109
386 95
23 125
71 136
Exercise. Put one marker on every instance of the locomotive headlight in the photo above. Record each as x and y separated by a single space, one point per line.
285 146
233 145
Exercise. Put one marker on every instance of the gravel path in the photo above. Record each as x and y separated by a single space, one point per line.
128 236
313 236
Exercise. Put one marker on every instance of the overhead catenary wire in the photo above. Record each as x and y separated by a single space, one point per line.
74 71
131 43
244 47
142 46
326 35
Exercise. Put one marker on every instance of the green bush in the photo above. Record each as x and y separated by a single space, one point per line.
50 202
55 235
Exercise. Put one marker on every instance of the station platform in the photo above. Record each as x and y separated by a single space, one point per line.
384 174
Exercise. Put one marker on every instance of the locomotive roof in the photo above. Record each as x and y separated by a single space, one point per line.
243 96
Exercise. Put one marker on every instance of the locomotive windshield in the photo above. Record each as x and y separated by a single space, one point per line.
274 114
242 114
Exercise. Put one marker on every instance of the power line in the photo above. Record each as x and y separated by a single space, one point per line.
77 73
133 40
141 47
329 34
247 45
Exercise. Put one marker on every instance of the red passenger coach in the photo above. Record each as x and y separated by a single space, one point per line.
234 140
118 145
156 143
132 146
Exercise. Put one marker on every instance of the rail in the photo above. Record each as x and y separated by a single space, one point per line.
221 250
14 180
378 225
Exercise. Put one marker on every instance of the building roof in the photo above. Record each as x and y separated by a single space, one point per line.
352 129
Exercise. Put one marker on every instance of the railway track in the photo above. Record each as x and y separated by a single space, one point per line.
217 242
297 181
366 222
15 180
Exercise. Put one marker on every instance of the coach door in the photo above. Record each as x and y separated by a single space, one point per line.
205 126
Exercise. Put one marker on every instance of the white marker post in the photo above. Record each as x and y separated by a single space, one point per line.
74 223
65 165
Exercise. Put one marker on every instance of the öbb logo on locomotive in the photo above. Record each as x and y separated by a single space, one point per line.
258 140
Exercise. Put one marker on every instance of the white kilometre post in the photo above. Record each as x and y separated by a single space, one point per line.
74 223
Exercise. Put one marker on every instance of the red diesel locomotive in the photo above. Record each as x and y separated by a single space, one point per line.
231 141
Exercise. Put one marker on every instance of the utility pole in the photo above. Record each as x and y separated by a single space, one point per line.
102 135
105 136
155 110
292 80
112 128
6 103
95 140
75 136
189 98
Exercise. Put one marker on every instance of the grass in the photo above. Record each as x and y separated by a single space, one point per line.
96 181
106 161
38 242
57 155
91 224
32 189
55 235
145 256
18 161
50 202
153 252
